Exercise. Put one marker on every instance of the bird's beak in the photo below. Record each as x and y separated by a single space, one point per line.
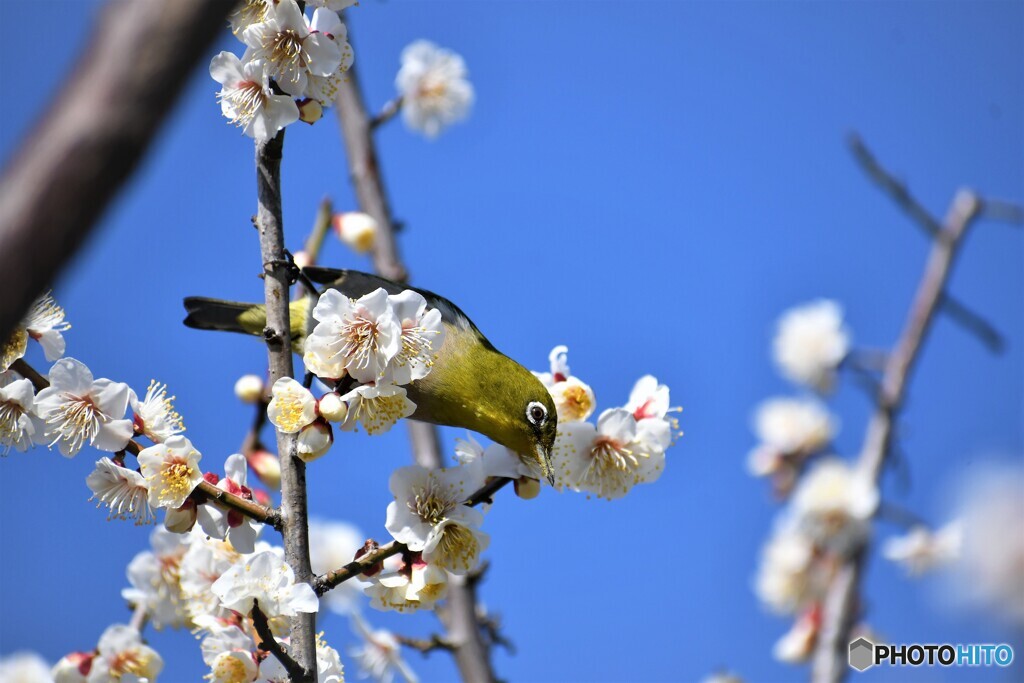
544 458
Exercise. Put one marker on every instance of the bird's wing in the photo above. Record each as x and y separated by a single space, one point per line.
355 284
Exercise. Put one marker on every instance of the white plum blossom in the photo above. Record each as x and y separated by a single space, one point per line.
380 655
204 562
422 335
786 581
20 427
155 578
239 530
429 515
171 470
290 51
247 13
611 458
574 399
292 406
358 337
24 667
377 407
410 587
266 578
44 322
333 545
155 416
356 229
434 89
314 440
797 644
921 549
73 667
247 100
122 655
324 89
233 666
834 502
79 410
649 400
558 360
810 343
122 490
789 429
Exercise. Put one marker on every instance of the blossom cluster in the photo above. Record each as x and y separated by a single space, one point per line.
292 66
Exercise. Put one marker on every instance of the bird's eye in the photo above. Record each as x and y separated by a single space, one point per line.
536 413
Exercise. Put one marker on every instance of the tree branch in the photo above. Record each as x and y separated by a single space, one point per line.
95 132
247 507
268 643
276 283
426 645
842 604
472 654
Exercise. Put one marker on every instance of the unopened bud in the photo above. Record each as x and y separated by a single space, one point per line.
370 546
301 259
310 111
249 388
332 408
526 488
261 497
314 440
181 520
73 667
267 467
357 230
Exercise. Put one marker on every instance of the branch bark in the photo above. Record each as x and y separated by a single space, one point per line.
93 135
842 602
276 283
472 654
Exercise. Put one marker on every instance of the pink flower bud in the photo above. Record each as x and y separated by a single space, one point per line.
267 467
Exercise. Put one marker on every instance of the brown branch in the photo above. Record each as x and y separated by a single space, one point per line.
268 643
472 654
247 507
842 603
92 137
896 189
962 315
389 112
426 645
276 282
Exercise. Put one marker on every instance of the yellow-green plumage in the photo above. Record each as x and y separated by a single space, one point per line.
472 385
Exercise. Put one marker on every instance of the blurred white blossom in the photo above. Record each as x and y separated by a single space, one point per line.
786 581
810 343
434 88
122 654
921 549
249 388
24 667
380 654
333 545
798 643
155 578
356 229
834 503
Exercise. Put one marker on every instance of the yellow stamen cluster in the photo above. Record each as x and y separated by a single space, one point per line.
10 425
45 314
250 12
228 669
285 49
416 345
14 348
76 422
129 662
458 549
290 418
176 479
247 98
612 466
576 403
377 414
358 341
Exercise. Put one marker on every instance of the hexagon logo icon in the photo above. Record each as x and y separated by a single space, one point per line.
862 654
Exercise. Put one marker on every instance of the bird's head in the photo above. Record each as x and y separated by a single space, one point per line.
533 433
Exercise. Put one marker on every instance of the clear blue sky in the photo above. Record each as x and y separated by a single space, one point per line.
648 183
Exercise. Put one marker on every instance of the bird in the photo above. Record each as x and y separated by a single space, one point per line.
472 385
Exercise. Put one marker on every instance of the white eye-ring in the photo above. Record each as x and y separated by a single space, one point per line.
536 413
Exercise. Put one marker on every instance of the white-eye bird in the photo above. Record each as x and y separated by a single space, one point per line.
471 385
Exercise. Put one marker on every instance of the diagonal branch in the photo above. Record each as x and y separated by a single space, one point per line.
251 509
842 602
96 130
276 282
472 654
268 643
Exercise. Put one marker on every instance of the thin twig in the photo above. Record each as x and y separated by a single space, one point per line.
276 282
426 645
268 643
387 113
896 189
985 331
247 507
140 615
472 654
1007 212
93 135
842 602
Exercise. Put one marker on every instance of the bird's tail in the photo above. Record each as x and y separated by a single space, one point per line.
235 316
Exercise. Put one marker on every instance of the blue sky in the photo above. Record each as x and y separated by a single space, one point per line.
648 183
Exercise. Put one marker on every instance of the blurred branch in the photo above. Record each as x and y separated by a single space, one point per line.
278 270
95 132
472 654
893 187
973 323
842 602
426 645
248 508
140 615
268 643
998 210
387 113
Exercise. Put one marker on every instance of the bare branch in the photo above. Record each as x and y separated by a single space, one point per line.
1007 212
427 645
207 490
973 323
896 189
268 643
842 604
472 654
93 135
387 113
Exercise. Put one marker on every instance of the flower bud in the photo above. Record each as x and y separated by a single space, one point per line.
73 667
261 497
526 488
310 110
332 408
181 520
314 440
249 388
357 230
266 465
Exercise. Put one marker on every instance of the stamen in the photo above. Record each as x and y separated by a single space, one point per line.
77 421
247 99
